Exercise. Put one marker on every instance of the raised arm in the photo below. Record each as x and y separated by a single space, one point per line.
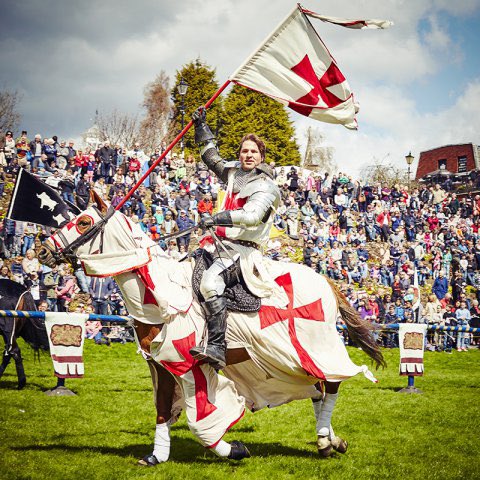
208 149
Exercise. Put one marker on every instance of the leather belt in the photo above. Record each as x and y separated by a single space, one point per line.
245 243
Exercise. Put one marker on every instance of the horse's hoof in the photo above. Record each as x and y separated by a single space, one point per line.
148 461
324 446
339 444
239 451
21 383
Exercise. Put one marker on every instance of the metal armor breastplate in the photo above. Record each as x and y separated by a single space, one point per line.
241 178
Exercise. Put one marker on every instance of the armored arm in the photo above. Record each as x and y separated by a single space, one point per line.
259 205
208 151
264 197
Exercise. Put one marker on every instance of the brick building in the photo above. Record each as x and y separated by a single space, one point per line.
452 158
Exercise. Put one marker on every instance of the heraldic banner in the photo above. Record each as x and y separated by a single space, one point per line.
66 333
411 338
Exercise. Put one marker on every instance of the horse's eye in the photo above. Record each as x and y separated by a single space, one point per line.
83 224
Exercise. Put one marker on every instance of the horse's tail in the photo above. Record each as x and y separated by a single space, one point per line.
359 330
32 330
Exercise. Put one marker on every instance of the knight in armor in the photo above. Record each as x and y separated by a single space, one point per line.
243 224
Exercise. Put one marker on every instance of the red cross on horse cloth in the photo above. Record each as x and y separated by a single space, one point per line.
313 311
203 406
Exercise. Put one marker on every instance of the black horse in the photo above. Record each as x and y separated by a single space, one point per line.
14 296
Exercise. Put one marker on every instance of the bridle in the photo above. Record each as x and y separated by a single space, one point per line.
67 252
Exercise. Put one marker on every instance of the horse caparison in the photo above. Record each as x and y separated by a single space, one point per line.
169 320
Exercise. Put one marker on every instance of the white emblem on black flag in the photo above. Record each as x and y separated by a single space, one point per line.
36 202
46 201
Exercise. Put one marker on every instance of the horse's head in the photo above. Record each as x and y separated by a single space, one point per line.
62 245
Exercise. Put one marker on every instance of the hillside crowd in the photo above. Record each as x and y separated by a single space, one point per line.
372 239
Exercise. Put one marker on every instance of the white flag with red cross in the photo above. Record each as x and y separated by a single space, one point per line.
294 66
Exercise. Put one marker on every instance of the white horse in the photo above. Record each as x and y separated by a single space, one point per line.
288 350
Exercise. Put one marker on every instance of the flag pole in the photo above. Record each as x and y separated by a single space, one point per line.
174 142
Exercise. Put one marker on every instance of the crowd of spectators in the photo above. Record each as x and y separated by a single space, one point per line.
373 239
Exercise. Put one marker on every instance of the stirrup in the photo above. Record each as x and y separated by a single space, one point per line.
202 353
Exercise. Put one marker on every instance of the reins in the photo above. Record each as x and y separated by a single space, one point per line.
88 235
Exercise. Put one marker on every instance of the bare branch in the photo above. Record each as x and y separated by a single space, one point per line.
318 155
9 116
119 128
154 126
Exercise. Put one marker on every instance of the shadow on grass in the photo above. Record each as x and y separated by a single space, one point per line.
12 385
183 450
393 389
184 428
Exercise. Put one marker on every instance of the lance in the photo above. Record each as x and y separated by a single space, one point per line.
174 142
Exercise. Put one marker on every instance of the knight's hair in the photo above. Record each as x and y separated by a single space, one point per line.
255 139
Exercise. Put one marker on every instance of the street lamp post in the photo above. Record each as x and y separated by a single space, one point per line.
409 158
182 90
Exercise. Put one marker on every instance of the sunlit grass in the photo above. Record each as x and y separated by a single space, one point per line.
102 431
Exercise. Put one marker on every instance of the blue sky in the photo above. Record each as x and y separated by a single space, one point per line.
453 77
418 83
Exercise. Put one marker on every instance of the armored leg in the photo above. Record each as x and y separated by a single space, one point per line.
214 351
212 287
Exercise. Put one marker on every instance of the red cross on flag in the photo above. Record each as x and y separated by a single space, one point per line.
294 66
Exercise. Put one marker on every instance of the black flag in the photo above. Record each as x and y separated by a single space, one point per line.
36 202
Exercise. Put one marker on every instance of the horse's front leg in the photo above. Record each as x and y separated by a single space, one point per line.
6 360
163 393
327 441
17 356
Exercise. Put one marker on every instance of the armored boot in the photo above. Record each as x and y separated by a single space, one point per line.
214 351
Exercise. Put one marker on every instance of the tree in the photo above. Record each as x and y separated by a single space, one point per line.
380 171
117 127
246 111
201 86
318 156
9 116
156 102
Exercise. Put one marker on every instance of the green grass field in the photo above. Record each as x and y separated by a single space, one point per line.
102 431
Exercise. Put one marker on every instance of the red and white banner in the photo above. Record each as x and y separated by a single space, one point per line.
294 66
66 334
411 338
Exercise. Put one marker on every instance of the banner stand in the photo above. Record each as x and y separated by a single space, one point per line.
411 386
60 390
411 340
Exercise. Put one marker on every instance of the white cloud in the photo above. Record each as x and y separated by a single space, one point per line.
437 38
391 126
104 55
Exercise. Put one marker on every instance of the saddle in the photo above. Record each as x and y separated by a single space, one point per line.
239 298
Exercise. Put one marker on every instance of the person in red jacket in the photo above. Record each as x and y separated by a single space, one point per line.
433 222
384 221
205 205
134 165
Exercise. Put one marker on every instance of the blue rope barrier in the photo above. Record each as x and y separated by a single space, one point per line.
91 316
126 319
430 328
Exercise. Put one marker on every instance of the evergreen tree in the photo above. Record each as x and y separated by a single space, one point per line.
201 86
246 111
